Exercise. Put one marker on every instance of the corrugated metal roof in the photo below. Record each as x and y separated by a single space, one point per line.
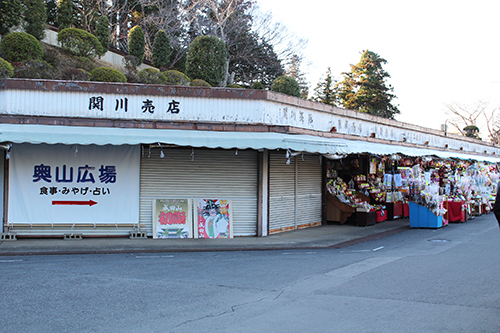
71 135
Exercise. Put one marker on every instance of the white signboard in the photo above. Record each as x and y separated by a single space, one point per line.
58 183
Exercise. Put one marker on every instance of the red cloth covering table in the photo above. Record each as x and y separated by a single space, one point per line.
455 211
381 215
406 210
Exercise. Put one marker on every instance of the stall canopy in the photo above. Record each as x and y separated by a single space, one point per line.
75 135
358 147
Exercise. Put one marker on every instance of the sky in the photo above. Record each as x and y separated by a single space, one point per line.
438 52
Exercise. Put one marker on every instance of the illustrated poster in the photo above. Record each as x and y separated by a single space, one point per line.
214 218
172 218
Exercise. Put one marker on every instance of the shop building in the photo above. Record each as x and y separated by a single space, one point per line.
106 159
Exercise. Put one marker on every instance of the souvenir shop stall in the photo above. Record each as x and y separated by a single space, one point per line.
348 195
366 189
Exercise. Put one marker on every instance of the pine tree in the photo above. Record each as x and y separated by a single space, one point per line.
293 70
64 14
325 91
10 14
136 43
35 15
364 88
161 49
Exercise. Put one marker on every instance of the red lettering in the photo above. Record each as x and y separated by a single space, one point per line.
172 218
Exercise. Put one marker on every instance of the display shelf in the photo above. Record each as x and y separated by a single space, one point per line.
336 210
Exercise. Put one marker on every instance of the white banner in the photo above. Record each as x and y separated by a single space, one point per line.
58 183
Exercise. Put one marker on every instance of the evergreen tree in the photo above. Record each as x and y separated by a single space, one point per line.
64 14
293 70
206 60
286 85
364 89
10 14
102 32
161 49
51 9
136 43
35 15
325 91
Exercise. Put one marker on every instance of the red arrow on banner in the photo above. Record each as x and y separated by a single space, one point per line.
77 203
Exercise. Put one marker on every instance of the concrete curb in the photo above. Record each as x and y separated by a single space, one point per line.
153 247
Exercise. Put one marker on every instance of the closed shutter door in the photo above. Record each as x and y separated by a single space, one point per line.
281 192
206 174
294 191
309 190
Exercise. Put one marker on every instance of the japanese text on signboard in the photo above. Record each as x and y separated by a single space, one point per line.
82 176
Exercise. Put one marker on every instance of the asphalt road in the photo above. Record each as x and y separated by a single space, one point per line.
445 280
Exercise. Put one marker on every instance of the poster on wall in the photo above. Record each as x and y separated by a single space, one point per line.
172 218
73 183
214 218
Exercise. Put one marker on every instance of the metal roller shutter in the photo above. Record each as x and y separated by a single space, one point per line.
294 191
281 193
208 173
309 190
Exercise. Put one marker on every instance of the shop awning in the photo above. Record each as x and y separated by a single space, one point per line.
358 147
74 135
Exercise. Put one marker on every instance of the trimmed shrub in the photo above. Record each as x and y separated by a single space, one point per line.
176 78
132 75
206 59
286 85
20 46
161 49
136 43
106 74
151 76
35 15
33 69
85 63
130 61
199 83
76 74
257 85
52 56
234 86
6 69
79 42
102 33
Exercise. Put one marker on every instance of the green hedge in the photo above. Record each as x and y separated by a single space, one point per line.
6 69
20 46
151 76
106 74
199 83
176 78
79 42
